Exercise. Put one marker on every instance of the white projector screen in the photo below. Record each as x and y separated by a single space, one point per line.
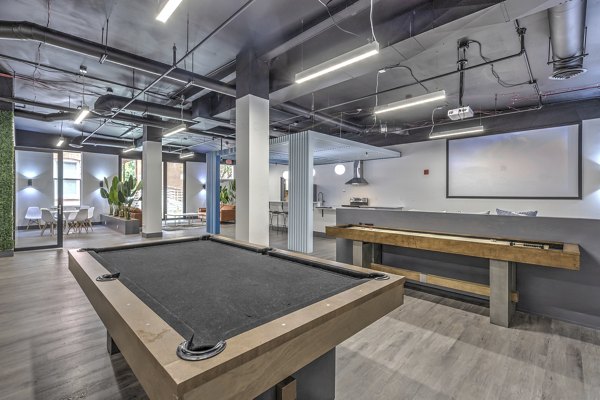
541 163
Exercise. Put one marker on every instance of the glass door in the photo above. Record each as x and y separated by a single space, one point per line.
38 199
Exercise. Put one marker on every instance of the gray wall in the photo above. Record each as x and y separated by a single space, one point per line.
195 176
94 168
567 295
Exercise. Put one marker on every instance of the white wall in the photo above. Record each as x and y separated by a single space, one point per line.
401 182
95 167
275 174
195 177
37 166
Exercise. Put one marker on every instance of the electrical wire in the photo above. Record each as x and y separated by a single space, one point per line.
335 22
432 120
409 70
371 20
486 59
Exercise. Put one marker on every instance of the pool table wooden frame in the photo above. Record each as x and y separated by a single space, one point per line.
253 361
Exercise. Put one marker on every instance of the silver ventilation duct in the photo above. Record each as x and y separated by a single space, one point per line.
358 178
567 36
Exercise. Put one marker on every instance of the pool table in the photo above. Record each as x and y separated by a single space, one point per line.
217 318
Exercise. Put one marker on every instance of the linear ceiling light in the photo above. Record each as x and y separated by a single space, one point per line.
85 110
183 156
60 142
338 62
415 101
457 132
168 9
174 130
129 149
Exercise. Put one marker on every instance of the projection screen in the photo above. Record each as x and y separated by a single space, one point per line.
541 163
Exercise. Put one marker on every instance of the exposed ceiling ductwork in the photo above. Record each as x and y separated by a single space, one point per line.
109 102
567 36
29 31
301 111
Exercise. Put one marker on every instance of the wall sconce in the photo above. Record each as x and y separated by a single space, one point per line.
29 182
101 184
204 186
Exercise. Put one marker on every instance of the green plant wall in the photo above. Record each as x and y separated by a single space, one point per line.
7 180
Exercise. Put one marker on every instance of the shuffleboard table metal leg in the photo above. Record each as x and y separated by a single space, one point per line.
502 285
111 346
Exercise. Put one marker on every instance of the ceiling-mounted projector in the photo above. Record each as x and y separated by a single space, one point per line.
460 113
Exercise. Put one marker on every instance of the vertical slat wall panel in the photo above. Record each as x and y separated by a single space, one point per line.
300 205
213 189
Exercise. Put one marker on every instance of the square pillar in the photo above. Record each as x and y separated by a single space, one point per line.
252 149
152 182
300 208
213 187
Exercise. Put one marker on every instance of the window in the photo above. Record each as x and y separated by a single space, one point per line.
131 167
226 172
175 185
71 179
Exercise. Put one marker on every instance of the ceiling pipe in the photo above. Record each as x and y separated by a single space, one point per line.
520 32
567 37
23 30
301 111
108 102
176 62
67 114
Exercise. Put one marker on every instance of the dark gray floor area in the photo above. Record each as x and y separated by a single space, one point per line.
216 290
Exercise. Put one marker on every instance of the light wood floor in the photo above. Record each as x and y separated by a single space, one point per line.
52 344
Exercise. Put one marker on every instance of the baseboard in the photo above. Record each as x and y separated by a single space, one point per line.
152 235
7 253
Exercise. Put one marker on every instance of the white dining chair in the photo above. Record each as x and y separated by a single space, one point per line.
69 217
48 220
81 218
33 214
90 217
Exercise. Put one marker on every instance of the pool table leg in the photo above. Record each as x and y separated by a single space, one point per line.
111 346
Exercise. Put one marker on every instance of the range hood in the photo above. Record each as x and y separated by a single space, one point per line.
358 178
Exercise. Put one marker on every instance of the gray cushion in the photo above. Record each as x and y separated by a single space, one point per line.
517 214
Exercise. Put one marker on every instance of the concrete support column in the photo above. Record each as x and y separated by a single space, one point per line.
252 149
213 187
300 220
502 284
152 182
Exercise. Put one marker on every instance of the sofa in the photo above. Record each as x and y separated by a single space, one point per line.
227 213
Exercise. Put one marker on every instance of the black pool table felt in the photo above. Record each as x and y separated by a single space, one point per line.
218 291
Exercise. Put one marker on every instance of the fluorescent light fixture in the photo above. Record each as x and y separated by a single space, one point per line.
168 9
60 142
176 129
129 149
85 110
457 132
338 62
188 154
415 101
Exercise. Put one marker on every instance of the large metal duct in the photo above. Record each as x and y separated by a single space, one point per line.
301 111
23 30
109 102
567 35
